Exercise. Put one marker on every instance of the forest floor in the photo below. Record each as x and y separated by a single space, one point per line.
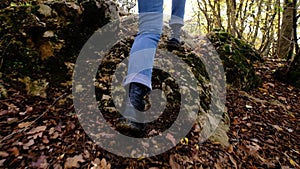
264 133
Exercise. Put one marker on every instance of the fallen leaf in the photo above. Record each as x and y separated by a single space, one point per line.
263 90
27 145
282 98
217 166
171 138
41 162
28 110
153 132
244 130
57 166
173 163
230 148
248 106
24 124
277 127
54 135
2 162
3 112
12 120
145 144
271 84
96 163
51 130
3 154
233 161
104 165
74 161
45 140
37 130
235 121
14 151
86 154
36 135
292 162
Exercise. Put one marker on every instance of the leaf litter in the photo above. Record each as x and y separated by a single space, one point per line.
264 133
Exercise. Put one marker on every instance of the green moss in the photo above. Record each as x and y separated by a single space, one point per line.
237 57
22 29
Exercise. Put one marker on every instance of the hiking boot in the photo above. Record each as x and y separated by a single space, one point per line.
137 94
129 122
173 44
132 119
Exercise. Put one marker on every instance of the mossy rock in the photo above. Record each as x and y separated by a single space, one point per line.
238 58
38 39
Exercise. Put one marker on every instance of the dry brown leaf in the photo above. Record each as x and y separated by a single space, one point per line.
282 98
36 135
173 163
235 121
45 140
277 127
2 162
57 166
41 162
24 124
54 135
3 154
37 129
171 138
74 161
51 130
12 120
217 166
97 164
230 149
27 145
14 151
233 161
104 165
3 112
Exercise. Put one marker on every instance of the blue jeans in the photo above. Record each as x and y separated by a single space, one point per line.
143 50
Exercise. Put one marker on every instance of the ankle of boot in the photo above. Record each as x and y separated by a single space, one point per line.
176 31
137 93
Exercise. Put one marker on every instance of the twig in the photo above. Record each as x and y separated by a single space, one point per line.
35 120
275 102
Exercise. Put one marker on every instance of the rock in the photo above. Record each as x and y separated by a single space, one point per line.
237 57
39 38
45 10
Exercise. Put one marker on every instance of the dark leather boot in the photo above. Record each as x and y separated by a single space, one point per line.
173 44
136 101
137 93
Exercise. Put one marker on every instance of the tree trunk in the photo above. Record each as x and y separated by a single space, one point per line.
291 72
285 45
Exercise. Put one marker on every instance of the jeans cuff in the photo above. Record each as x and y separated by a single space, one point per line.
138 78
176 20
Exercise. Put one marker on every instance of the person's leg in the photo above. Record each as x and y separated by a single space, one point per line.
141 59
144 47
176 22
